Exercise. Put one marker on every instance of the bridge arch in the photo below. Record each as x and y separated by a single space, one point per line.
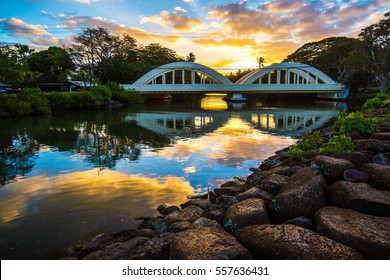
286 73
182 73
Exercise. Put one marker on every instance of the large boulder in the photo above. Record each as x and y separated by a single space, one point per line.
255 193
381 159
332 168
301 221
379 175
156 248
370 235
372 145
381 136
251 211
205 222
302 195
217 214
96 243
207 243
167 208
353 175
204 204
117 250
292 242
273 183
360 197
357 158
190 214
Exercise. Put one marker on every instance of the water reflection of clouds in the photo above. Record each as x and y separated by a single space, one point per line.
87 189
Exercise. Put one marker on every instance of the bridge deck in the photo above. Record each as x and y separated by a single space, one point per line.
242 88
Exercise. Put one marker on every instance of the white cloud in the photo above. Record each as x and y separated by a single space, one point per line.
18 27
180 9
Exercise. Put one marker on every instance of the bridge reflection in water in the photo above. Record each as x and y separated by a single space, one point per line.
278 121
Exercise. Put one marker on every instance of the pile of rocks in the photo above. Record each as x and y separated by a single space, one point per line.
322 208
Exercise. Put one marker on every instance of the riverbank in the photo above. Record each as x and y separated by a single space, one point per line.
333 206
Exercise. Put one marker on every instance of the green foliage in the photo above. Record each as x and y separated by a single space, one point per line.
128 97
339 120
61 101
310 141
356 122
37 100
338 144
367 96
372 105
86 100
295 153
103 91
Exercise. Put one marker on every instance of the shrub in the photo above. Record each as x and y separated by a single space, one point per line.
372 105
37 100
338 144
60 101
86 100
128 97
357 122
294 153
310 141
103 91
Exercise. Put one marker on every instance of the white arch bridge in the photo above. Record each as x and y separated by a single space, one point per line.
286 77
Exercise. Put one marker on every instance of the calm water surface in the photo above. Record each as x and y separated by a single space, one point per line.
66 177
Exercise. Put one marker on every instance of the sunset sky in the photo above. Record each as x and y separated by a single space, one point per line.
223 34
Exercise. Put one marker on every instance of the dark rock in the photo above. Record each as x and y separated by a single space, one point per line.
357 158
370 235
205 222
207 243
354 135
301 221
204 204
190 214
332 168
359 197
213 197
293 169
353 175
379 175
160 225
292 242
381 136
302 195
215 214
124 235
96 243
156 248
372 145
116 251
147 232
146 224
232 183
180 226
167 208
273 183
267 164
232 191
251 211
226 200
255 193
381 159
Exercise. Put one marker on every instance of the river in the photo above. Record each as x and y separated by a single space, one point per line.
69 176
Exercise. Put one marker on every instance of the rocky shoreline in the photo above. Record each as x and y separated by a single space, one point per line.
323 207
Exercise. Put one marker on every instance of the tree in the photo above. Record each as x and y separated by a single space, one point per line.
376 38
331 55
53 65
191 57
24 52
260 60
11 71
156 54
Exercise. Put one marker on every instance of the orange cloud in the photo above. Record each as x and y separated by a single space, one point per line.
18 27
178 21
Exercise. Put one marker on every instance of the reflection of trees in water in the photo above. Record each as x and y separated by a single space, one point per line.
103 138
17 159
103 149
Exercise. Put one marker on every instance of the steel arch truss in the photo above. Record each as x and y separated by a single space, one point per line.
286 73
182 73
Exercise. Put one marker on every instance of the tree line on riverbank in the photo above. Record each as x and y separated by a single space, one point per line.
99 56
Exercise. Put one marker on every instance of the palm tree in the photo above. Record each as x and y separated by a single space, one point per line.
191 57
261 61
23 52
